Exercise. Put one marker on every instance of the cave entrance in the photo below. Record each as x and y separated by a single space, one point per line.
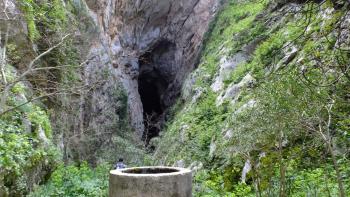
151 90
154 79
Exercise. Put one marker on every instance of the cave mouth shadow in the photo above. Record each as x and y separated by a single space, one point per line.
153 81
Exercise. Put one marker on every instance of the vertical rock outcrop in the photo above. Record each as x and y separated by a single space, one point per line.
147 41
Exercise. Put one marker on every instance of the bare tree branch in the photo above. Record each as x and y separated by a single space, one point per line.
3 55
32 63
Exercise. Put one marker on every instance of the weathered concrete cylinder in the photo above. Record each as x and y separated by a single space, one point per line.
150 182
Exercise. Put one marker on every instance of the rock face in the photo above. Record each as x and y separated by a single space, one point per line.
234 89
150 46
226 68
136 55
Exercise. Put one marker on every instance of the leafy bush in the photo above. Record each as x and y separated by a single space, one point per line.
20 153
40 120
75 180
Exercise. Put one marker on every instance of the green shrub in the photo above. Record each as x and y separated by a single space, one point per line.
76 181
40 119
50 13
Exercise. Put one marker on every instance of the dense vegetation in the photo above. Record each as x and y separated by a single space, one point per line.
289 125
76 181
281 116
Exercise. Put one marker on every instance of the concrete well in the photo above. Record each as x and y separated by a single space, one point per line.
150 182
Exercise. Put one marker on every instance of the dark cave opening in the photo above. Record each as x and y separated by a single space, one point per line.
150 95
151 90
154 80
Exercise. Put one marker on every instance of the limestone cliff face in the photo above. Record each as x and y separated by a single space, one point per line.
135 53
146 42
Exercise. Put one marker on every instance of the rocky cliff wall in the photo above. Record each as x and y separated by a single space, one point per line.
135 53
148 40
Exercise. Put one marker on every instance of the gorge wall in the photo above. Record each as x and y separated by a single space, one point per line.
123 63
150 46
